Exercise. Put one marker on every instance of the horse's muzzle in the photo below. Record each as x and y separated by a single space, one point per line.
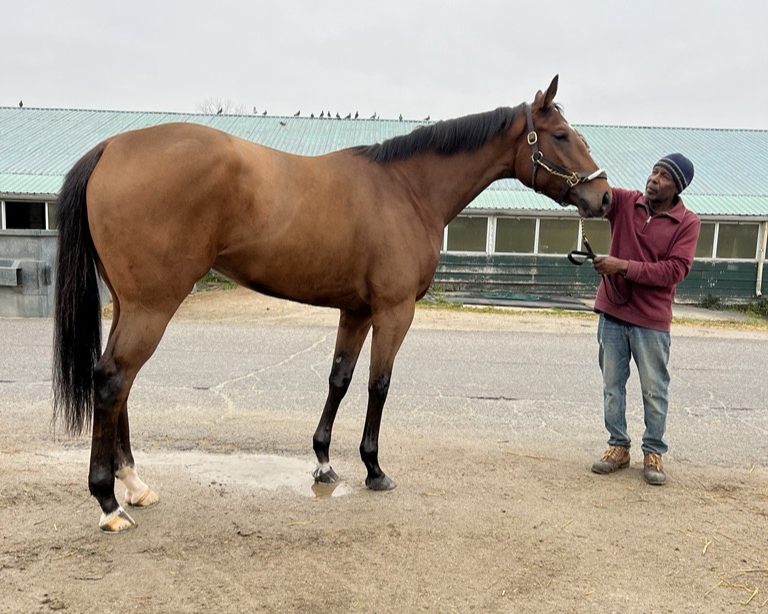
590 211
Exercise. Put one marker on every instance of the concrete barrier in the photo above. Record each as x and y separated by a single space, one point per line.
27 259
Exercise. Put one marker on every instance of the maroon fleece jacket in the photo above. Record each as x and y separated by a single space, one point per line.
660 250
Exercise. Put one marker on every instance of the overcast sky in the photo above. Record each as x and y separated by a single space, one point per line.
698 63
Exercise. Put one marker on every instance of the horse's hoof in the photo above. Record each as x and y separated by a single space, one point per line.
324 474
147 499
116 522
380 483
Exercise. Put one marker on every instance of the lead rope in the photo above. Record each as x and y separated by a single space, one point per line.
578 258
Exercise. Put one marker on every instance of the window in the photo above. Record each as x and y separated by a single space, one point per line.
706 240
24 215
515 235
512 235
468 234
737 241
27 215
558 236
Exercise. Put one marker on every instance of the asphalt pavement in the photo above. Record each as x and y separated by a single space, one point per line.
207 379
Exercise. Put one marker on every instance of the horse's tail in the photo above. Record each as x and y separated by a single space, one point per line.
77 319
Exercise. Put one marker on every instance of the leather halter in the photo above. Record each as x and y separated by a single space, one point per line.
572 178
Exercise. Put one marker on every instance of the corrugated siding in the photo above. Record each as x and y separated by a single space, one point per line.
49 141
43 185
727 162
38 147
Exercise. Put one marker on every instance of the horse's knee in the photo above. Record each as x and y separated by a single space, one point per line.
341 373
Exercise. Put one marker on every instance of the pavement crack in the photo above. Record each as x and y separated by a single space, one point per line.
219 388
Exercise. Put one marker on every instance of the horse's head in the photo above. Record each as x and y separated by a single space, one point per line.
556 158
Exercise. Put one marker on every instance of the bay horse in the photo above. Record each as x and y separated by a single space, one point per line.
153 210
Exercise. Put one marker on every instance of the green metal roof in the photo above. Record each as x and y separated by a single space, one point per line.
38 147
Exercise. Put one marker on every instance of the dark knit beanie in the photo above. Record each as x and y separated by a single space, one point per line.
680 167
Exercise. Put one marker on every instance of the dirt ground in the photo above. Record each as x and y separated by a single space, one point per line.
473 526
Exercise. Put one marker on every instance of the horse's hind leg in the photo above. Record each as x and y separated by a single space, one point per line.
353 329
137 493
131 343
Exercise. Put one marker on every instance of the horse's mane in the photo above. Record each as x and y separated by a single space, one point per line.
467 133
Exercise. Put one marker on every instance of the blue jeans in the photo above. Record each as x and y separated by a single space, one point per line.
650 350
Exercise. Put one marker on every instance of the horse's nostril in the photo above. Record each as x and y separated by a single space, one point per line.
606 200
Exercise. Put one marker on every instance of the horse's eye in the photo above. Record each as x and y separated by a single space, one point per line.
561 136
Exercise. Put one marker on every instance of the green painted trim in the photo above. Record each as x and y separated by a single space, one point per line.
555 275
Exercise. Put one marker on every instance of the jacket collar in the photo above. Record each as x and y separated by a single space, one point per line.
676 213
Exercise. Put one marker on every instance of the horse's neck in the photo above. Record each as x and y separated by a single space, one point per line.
449 183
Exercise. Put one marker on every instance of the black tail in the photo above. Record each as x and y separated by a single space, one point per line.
77 320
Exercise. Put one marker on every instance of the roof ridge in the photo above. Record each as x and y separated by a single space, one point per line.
365 119
199 114
703 129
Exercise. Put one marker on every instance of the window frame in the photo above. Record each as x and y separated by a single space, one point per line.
47 203
488 224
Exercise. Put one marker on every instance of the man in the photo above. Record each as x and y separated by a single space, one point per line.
653 242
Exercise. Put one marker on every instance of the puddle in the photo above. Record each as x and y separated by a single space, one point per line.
261 471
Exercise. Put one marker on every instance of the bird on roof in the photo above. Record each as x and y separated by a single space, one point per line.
265 112
311 115
322 114
297 113
254 110
401 117
21 104
220 111
282 123
356 114
374 115
426 119
348 116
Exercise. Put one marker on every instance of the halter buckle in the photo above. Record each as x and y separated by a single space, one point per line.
533 138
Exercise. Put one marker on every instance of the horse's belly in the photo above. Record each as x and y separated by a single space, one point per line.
326 286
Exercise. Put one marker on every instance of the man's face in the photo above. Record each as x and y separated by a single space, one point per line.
660 187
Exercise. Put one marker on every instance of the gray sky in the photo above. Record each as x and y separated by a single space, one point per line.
698 63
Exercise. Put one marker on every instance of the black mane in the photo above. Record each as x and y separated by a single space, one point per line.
467 133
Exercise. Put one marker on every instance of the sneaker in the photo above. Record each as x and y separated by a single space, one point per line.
653 471
614 459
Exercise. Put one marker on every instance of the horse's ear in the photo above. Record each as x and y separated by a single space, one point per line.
549 96
544 99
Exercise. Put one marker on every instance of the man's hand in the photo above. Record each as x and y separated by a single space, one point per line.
608 265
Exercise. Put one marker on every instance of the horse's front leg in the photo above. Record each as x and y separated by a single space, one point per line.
137 493
389 330
353 329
